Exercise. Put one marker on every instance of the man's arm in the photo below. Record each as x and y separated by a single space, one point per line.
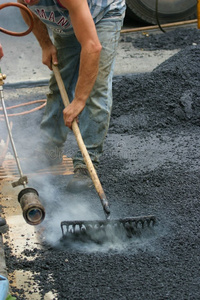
86 34
41 33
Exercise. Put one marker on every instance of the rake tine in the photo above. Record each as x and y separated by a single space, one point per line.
88 228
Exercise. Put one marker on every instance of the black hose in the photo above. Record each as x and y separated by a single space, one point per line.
157 18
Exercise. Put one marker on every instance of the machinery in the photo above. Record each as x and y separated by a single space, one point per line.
168 11
33 211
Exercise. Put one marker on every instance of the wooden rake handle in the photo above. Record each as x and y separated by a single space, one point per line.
82 146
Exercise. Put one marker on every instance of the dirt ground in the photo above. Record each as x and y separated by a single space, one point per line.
150 165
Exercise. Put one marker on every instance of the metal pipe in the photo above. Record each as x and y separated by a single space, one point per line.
10 133
198 13
157 27
33 210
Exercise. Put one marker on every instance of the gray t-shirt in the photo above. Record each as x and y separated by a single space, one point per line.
57 18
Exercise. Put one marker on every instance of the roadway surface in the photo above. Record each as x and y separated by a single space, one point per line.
150 165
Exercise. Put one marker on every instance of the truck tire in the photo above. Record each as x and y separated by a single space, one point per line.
169 11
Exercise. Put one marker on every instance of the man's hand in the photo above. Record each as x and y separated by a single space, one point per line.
86 34
49 56
49 53
71 112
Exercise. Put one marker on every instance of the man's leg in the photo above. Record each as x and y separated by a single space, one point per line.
95 118
53 130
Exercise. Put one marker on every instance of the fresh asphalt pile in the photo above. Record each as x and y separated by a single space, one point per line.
175 39
150 165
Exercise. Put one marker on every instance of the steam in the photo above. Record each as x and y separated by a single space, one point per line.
61 205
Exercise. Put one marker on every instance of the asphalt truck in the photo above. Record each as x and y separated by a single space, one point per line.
168 11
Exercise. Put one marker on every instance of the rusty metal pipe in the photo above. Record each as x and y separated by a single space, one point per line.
157 27
198 13
33 211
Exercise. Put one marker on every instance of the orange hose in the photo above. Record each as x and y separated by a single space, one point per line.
24 104
30 17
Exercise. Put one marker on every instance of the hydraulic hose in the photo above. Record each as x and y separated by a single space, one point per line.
24 104
157 18
21 6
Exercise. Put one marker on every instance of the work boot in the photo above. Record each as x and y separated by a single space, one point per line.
2 221
80 182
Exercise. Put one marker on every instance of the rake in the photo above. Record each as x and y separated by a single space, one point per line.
93 227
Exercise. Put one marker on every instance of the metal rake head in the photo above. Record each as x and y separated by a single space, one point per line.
99 230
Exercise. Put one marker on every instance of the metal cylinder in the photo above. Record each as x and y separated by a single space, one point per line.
33 210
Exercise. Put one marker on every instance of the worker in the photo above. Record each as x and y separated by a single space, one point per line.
85 40
2 220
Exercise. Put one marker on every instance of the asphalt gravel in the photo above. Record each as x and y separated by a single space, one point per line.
150 165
